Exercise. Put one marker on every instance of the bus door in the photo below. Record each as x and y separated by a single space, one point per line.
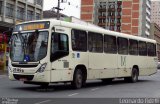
60 55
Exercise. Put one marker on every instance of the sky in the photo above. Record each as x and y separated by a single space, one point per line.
70 10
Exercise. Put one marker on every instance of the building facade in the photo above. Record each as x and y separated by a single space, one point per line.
155 34
15 11
155 17
127 16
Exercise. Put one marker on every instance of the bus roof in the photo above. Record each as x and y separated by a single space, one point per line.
54 22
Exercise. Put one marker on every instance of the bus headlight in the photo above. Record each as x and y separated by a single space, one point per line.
9 70
42 68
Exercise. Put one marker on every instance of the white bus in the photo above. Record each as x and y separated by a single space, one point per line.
48 51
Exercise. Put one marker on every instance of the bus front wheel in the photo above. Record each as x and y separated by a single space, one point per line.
77 79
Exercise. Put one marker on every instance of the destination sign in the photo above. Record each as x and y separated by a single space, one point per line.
32 26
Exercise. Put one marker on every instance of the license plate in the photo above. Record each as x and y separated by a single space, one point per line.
18 70
23 79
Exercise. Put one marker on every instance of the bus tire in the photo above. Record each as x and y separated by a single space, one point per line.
134 76
77 79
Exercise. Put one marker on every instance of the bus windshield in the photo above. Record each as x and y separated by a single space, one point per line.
29 47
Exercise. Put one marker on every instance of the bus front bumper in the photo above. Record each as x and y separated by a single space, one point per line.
37 77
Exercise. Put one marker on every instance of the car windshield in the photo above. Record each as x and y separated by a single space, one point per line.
29 47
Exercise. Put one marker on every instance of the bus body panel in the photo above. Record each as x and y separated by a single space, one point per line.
102 65
123 66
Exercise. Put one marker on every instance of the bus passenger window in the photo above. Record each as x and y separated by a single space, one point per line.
110 44
122 46
142 48
95 42
151 49
133 47
79 40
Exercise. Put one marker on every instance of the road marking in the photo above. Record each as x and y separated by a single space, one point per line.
73 94
45 101
94 89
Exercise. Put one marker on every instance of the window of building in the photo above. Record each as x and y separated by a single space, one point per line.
95 42
9 10
122 46
1 7
39 2
151 49
142 48
30 15
100 20
38 16
30 1
20 13
110 44
133 47
79 40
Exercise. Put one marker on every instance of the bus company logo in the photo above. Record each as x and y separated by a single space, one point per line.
123 60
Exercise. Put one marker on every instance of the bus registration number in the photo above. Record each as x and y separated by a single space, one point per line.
18 70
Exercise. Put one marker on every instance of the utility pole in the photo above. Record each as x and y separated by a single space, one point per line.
58 10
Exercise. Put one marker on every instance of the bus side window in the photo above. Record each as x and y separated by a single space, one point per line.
95 42
110 44
151 49
142 48
79 40
59 46
133 47
122 46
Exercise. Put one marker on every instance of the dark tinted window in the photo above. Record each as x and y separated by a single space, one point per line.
122 46
110 44
59 46
79 40
142 48
133 47
59 42
95 42
151 49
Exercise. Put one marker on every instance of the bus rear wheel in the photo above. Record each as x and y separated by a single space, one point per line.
77 79
134 76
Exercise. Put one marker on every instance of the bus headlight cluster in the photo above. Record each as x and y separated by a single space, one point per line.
9 69
42 68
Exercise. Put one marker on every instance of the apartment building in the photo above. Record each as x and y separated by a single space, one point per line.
155 11
126 16
15 11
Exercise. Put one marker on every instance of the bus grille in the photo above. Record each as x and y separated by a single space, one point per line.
27 77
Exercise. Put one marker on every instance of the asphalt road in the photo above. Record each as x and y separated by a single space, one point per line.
146 87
